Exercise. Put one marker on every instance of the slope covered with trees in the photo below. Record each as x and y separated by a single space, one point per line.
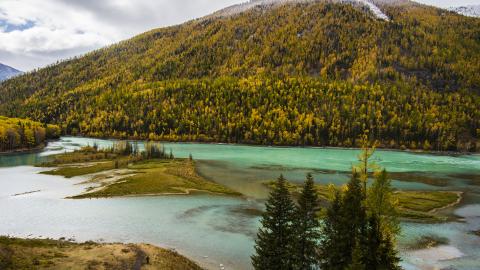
24 134
313 73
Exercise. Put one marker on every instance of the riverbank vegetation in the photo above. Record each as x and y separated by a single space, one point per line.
320 75
420 206
23 134
16 253
359 227
119 172
428 241
424 205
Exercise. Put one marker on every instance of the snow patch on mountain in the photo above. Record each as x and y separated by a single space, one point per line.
235 9
471 11
373 8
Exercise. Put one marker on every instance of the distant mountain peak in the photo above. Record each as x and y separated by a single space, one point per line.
470 11
239 8
6 72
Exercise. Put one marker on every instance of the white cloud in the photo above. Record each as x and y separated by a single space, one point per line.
40 32
48 30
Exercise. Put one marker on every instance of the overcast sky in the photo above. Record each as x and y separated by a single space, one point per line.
35 33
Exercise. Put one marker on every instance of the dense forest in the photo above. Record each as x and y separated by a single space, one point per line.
299 74
263 111
24 134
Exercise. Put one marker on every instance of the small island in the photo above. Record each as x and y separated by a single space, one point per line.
16 253
123 170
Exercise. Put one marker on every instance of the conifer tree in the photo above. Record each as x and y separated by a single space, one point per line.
361 223
353 215
332 244
344 227
307 227
382 205
357 259
275 239
373 242
389 259
380 253
365 165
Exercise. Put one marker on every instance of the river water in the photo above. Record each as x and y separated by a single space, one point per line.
214 230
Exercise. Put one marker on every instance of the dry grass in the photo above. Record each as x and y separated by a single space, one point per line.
55 254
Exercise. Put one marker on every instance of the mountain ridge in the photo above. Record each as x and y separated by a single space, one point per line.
242 7
248 78
470 10
7 72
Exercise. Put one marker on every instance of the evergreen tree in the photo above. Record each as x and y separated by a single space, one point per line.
357 259
353 216
380 253
344 227
361 224
307 227
373 242
389 259
382 205
332 244
274 244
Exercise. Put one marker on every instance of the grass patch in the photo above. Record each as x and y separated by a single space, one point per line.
428 241
86 154
139 175
18 253
413 205
85 161
72 171
425 201
156 177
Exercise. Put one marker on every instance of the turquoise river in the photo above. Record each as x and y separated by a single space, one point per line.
214 230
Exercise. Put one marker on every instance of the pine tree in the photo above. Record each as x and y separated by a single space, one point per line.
380 253
344 227
307 227
274 240
389 259
332 244
381 203
373 242
361 224
357 259
354 216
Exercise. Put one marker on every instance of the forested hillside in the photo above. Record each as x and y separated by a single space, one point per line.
24 134
312 73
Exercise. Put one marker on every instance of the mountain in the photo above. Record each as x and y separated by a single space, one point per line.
472 10
239 8
296 73
7 72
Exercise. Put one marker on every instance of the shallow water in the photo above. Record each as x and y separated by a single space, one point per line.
216 229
